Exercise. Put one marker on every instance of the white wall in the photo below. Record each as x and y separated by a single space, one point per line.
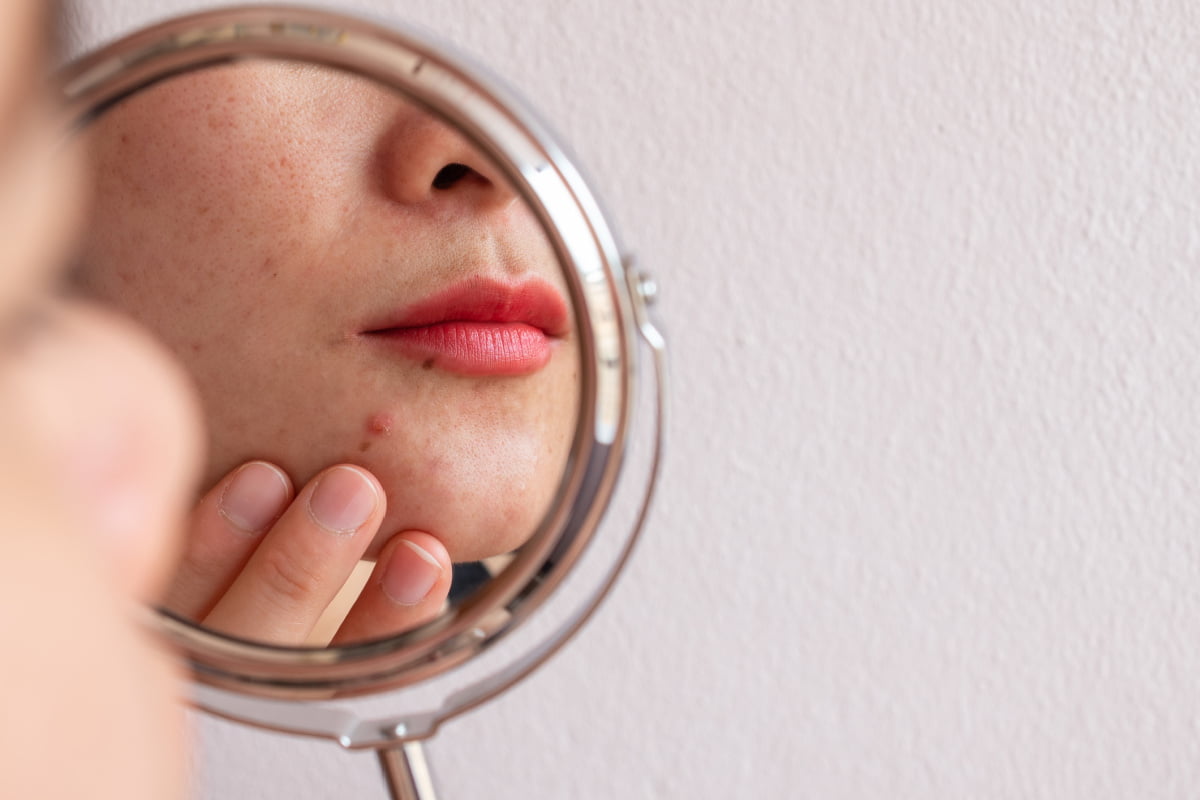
929 525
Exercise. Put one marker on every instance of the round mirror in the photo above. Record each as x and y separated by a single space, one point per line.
379 328
416 340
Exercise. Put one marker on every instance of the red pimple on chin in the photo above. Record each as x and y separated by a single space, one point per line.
380 424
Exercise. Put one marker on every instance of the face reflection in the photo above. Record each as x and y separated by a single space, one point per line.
348 281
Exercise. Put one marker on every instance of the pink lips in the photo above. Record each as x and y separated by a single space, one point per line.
479 327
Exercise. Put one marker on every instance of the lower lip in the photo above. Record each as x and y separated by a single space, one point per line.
473 348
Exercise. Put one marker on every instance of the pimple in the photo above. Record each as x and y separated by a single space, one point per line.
380 424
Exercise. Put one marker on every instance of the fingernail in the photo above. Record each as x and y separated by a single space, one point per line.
410 575
342 500
255 497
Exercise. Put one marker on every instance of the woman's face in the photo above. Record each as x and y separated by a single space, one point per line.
348 280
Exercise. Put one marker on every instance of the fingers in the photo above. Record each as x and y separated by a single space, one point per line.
223 532
299 565
261 563
407 588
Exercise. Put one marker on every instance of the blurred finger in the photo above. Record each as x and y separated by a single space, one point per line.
125 451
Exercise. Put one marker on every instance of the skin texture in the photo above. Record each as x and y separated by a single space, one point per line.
258 217
92 491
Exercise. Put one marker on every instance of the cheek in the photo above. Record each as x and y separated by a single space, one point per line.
209 238
481 494
196 170
487 481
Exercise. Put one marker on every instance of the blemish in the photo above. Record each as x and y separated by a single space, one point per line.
427 364
364 446
380 424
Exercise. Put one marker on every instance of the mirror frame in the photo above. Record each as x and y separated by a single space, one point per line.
609 302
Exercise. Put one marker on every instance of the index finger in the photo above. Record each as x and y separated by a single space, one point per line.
304 560
223 530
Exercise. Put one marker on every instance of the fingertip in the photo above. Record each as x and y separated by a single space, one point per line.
254 496
345 499
430 546
417 571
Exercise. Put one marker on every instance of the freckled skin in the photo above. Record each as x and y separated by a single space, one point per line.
264 212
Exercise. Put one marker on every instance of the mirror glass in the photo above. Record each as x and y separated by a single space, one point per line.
378 328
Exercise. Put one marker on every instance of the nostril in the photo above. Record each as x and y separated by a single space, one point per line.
449 175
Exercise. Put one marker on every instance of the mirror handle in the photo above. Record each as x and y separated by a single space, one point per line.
406 772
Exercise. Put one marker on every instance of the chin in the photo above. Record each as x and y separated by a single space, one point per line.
471 530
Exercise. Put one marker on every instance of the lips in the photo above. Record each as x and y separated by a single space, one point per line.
479 327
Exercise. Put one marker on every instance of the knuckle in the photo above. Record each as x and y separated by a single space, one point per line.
289 577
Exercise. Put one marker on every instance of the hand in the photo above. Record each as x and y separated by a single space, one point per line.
100 445
262 562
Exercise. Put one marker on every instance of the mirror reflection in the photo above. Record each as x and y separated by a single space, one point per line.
379 330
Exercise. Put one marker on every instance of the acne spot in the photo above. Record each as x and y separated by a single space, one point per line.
380 424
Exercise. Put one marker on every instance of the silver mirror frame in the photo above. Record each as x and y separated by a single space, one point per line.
260 684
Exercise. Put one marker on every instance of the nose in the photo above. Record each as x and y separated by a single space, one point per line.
426 162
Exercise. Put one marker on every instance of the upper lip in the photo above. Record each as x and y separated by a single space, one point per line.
531 301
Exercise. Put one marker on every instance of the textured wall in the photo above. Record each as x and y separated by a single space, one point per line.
929 526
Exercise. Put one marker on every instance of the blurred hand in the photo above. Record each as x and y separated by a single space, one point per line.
99 451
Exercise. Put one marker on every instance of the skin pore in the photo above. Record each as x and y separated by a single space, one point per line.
265 220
